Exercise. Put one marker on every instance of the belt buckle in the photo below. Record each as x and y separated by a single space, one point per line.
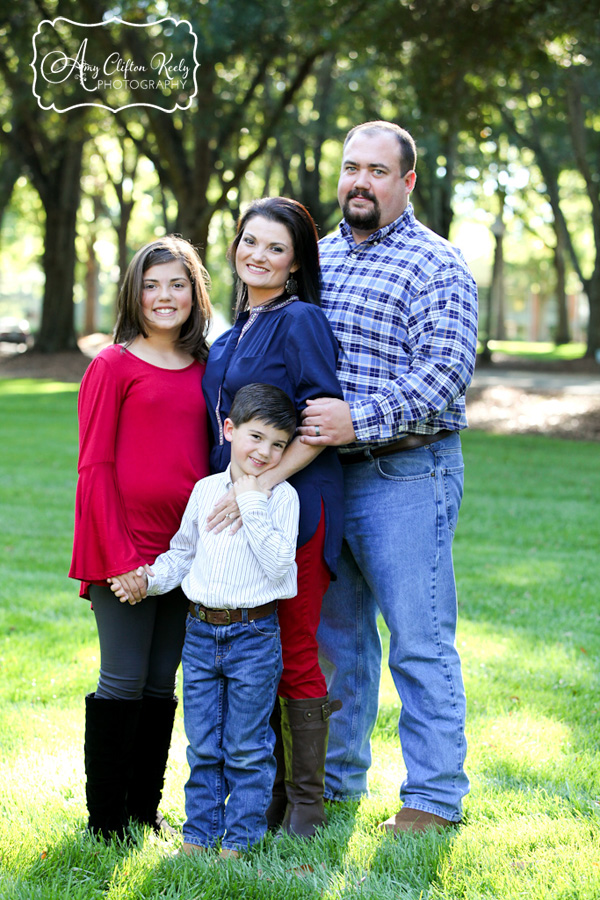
228 614
201 614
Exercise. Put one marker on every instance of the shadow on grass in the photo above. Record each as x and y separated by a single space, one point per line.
349 859
533 723
544 740
68 865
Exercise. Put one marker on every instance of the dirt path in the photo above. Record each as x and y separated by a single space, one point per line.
512 410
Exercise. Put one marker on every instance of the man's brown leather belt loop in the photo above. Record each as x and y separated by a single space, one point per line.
227 616
410 442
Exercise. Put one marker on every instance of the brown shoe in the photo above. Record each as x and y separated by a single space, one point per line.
415 820
193 849
226 853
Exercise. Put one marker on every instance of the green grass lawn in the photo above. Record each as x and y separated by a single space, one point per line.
538 351
526 555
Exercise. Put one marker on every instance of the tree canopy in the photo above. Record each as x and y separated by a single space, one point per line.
484 87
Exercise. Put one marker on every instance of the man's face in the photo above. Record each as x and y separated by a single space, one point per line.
371 191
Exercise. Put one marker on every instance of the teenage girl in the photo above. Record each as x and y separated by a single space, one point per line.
142 446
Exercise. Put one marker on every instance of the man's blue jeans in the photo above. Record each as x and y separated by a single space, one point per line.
230 678
401 511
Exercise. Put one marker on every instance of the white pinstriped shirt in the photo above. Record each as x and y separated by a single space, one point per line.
233 571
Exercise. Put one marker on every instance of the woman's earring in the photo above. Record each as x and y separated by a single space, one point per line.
291 285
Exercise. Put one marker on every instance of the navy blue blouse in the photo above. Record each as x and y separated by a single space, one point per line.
288 344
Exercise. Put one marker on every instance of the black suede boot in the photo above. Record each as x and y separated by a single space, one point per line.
109 729
277 807
150 751
305 729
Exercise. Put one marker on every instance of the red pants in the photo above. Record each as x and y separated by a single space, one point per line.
299 616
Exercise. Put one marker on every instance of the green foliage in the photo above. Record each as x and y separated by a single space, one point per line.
502 97
526 560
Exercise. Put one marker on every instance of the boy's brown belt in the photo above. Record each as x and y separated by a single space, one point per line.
227 616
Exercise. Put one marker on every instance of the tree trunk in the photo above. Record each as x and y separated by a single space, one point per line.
10 169
126 208
485 357
446 186
562 329
61 202
92 274
592 287
497 285
193 221
587 164
126 204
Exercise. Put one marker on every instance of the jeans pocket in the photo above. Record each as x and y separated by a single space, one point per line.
409 465
189 622
267 626
453 480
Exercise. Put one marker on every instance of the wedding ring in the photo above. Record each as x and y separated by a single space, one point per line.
317 431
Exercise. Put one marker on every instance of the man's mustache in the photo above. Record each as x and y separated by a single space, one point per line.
355 193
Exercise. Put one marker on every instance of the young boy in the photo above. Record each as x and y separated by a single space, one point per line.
232 652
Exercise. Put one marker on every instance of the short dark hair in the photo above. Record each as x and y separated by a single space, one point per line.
130 318
303 233
265 402
408 148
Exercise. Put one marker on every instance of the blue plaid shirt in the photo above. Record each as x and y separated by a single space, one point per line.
403 306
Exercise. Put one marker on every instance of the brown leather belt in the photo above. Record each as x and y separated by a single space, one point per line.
410 442
227 616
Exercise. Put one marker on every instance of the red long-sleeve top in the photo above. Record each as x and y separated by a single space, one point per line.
143 444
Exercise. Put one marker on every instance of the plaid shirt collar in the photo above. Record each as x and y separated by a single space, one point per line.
402 223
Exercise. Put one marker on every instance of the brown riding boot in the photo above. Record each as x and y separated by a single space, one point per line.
305 730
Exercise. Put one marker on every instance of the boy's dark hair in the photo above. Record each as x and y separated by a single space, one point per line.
266 403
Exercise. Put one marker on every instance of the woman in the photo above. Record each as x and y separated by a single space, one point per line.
143 445
281 337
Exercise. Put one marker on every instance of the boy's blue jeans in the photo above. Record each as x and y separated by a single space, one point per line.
230 678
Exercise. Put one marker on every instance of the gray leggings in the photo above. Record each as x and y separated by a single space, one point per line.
140 646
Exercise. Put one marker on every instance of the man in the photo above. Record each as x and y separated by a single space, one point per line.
403 306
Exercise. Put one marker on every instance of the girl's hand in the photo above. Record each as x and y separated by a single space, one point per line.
225 514
118 590
131 587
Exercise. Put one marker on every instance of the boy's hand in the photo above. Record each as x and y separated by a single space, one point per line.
131 587
247 483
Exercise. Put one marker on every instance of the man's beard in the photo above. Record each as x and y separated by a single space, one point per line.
363 220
